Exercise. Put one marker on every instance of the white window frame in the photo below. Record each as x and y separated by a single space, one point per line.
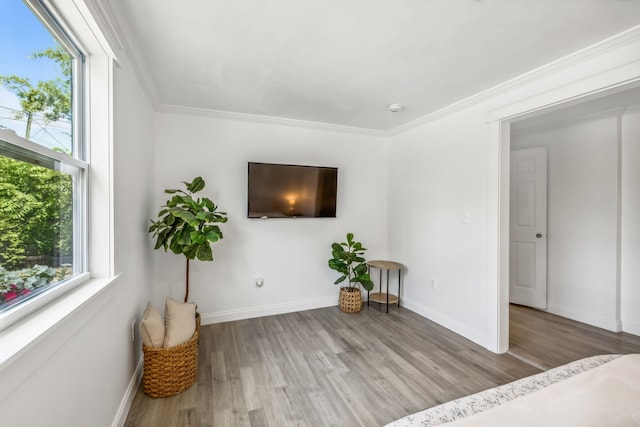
78 169
72 23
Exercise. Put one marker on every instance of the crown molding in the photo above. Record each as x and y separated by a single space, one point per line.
113 20
269 120
619 40
109 26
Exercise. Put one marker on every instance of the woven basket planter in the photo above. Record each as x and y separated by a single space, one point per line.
350 300
172 370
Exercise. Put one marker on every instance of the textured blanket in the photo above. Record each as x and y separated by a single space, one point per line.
462 408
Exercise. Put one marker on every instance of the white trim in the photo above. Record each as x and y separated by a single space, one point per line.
445 321
21 338
619 40
619 251
563 123
129 395
112 14
584 317
116 24
498 237
631 327
612 65
255 118
267 310
28 307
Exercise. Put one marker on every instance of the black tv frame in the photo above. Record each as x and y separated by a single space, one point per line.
326 194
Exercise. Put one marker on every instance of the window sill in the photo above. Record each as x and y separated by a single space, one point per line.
19 337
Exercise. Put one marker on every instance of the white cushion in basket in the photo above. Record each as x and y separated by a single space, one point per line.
179 322
152 327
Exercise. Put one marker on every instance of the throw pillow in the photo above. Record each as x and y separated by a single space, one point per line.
179 322
152 327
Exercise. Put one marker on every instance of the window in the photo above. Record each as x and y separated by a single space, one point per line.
42 169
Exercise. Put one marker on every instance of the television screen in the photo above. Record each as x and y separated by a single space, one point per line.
289 191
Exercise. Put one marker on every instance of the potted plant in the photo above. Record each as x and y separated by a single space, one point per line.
347 259
188 226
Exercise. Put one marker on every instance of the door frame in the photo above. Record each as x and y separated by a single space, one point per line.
498 225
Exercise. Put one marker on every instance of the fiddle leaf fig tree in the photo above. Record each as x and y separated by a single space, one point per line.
188 225
348 260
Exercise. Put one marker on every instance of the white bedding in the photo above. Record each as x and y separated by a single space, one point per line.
483 401
608 395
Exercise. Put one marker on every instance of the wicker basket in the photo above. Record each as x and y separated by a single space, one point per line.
169 371
350 300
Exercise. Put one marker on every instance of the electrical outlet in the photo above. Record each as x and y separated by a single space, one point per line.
434 283
133 330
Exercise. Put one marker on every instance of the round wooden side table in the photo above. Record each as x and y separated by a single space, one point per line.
385 297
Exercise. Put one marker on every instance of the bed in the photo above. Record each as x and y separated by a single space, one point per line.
596 391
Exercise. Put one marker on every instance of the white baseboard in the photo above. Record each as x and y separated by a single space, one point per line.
631 327
443 320
584 317
127 399
267 310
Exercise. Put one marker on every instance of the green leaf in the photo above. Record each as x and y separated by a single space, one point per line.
214 236
341 279
190 251
207 203
367 284
204 252
197 237
184 236
175 247
196 185
186 216
360 269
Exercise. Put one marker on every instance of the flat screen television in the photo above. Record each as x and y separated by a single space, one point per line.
291 191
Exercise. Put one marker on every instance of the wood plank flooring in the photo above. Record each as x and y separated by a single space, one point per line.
547 341
327 368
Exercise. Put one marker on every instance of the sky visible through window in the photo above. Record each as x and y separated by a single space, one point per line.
21 35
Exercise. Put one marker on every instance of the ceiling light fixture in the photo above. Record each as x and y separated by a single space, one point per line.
394 108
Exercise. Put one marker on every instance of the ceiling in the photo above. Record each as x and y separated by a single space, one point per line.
342 62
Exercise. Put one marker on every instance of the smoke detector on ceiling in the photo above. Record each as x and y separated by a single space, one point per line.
394 108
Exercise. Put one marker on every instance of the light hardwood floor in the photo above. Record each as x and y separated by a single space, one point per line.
327 368
547 341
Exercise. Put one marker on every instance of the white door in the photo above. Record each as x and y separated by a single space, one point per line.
528 231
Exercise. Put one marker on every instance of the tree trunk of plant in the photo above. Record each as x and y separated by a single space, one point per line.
186 294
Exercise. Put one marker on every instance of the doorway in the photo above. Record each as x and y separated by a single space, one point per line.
598 294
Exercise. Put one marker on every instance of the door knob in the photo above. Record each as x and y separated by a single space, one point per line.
538 235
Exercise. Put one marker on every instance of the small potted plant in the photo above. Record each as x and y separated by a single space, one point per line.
347 259
188 226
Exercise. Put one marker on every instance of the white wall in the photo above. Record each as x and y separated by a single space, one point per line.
79 374
437 180
291 254
582 234
134 183
630 230
456 161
